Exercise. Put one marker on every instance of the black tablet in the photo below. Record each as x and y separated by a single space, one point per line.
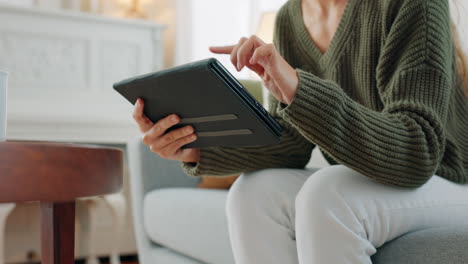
205 95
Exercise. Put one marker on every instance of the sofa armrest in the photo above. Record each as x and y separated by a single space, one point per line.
153 172
149 172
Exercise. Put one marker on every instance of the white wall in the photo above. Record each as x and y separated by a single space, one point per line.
218 22
203 23
18 2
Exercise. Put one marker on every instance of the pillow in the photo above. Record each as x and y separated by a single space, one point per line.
216 182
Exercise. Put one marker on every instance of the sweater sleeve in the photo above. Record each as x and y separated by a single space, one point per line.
293 151
403 144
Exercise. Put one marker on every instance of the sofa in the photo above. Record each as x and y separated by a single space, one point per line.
178 223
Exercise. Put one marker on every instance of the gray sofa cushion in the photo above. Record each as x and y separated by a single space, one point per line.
165 255
190 221
447 245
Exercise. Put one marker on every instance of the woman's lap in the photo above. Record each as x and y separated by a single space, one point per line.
410 209
374 212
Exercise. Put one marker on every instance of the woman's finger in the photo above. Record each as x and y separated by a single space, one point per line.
222 49
160 128
282 78
143 122
247 49
172 150
264 56
235 50
172 136
258 69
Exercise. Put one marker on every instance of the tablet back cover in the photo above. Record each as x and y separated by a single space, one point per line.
202 99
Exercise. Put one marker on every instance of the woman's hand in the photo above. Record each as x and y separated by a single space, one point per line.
278 76
167 145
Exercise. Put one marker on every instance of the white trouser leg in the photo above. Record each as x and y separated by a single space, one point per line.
260 211
343 216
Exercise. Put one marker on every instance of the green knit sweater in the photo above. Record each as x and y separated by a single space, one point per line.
384 99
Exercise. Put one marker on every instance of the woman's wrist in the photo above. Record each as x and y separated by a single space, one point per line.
293 83
193 157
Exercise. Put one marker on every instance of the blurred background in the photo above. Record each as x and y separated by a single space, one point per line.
63 56
191 26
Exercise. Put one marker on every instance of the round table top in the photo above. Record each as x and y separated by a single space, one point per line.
52 172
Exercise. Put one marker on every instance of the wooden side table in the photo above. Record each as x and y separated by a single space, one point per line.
56 175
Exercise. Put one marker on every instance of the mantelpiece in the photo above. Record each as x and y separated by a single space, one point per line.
62 66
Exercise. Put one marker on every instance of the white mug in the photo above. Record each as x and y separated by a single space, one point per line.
3 104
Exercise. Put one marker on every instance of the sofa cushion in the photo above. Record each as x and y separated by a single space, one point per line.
189 221
193 223
429 246
162 255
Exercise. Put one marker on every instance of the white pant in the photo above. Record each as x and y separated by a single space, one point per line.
332 215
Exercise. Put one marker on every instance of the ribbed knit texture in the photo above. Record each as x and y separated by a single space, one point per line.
383 100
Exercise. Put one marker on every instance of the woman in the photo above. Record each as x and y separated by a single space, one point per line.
376 85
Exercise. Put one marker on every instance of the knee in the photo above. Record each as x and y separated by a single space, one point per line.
327 189
240 193
254 193
246 192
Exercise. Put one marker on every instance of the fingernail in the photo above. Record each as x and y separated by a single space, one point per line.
193 137
238 66
174 118
189 130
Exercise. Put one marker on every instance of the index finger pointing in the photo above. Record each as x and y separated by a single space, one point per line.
222 49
